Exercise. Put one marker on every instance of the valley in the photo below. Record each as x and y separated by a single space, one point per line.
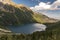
19 22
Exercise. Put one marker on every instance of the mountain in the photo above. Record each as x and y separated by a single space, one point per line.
18 14
14 14
52 33
54 27
51 13
39 17
7 1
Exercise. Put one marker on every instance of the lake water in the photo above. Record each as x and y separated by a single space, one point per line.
28 28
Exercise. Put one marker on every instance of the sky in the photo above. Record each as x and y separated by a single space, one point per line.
51 8
31 3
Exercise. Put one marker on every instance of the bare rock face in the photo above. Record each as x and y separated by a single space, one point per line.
7 5
16 14
6 1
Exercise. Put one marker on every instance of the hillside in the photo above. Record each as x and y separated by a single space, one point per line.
11 15
14 14
52 33
18 14
39 17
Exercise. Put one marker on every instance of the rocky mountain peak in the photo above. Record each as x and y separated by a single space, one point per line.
6 1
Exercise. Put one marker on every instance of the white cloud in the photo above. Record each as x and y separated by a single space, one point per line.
55 5
41 6
45 6
58 0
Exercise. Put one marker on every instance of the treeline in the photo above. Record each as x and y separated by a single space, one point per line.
19 15
11 15
35 36
52 33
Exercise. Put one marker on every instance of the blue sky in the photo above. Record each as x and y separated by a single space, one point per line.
51 8
31 3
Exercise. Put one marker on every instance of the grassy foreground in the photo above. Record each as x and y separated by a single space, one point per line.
20 15
51 33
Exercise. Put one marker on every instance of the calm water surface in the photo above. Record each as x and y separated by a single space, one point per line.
28 28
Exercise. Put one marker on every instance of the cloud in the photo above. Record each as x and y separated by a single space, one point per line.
45 6
41 6
55 5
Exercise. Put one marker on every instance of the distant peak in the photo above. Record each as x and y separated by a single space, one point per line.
6 1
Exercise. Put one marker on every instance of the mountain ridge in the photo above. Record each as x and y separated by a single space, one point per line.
18 14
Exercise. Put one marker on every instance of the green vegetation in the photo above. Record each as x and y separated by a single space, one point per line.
51 33
20 15
40 18
11 15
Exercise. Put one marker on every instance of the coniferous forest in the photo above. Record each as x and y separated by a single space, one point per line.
13 14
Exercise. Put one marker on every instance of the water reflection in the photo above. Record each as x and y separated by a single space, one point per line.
29 28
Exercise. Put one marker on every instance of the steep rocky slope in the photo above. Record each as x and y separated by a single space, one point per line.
18 14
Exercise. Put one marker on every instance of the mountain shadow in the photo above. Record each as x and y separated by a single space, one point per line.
11 15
